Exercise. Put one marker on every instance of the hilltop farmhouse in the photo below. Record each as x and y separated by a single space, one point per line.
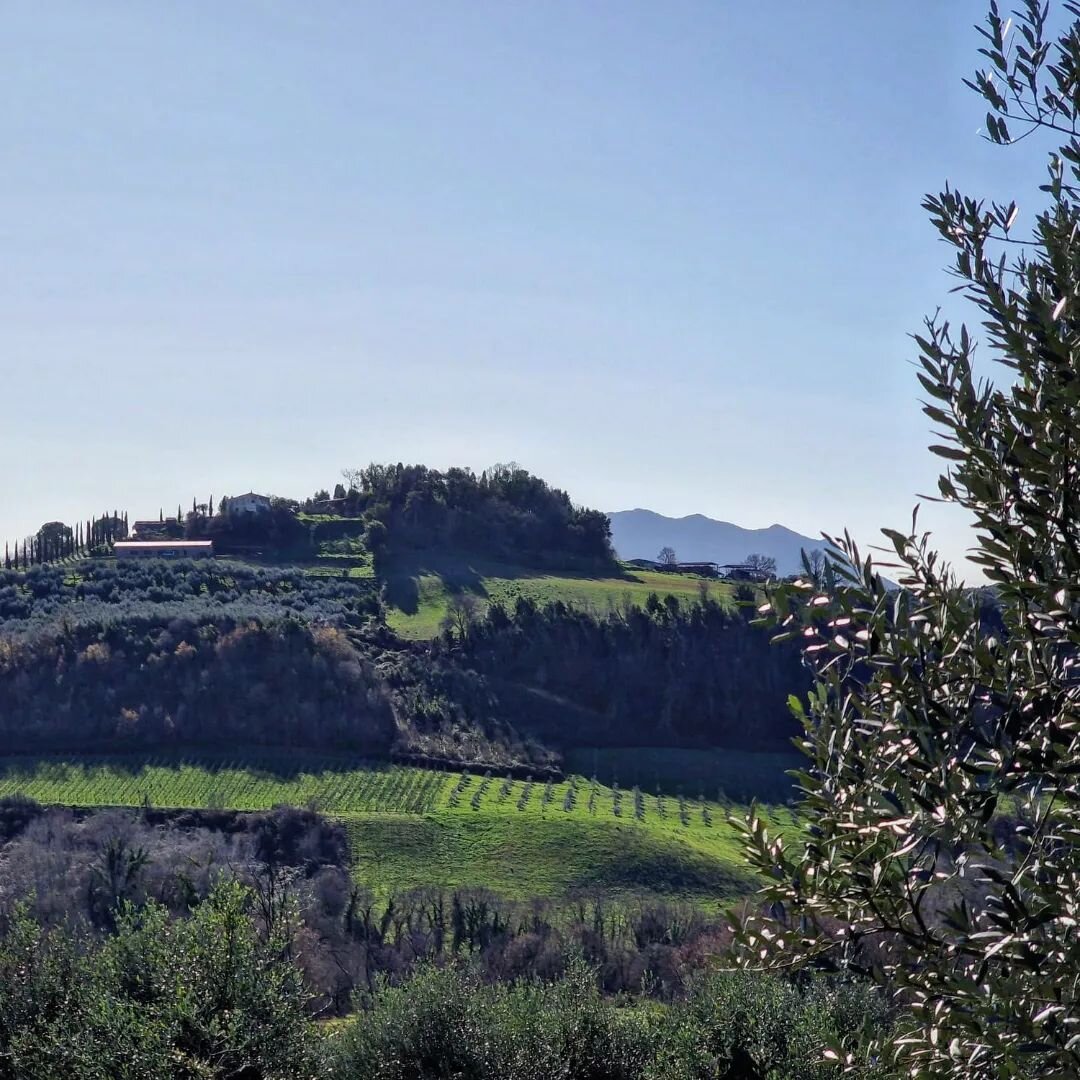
248 503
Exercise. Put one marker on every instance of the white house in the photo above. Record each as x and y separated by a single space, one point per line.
249 503
163 549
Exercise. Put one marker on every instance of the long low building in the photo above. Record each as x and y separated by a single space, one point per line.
163 549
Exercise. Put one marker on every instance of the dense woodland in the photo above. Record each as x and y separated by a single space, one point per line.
203 944
664 675
155 682
504 513
101 655
157 653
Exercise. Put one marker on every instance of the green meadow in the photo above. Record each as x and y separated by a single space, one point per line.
414 828
420 593
526 839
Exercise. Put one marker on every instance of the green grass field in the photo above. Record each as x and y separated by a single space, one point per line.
259 782
357 569
524 839
414 828
420 594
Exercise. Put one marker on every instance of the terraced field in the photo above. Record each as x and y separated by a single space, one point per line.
415 828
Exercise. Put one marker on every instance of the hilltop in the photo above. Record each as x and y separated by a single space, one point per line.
458 652
640 534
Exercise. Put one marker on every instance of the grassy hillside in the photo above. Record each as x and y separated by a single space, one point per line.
531 856
525 839
413 828
419 591
250 780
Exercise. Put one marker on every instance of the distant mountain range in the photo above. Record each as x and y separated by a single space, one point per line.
640 534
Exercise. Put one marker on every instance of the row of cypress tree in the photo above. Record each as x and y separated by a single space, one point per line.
56 541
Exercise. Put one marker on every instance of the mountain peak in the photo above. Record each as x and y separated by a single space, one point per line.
641 533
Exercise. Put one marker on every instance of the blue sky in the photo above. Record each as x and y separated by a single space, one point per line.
664 255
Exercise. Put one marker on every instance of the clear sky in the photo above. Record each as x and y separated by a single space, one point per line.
662 254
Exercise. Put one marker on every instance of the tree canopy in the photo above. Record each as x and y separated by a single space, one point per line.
505 512
943 854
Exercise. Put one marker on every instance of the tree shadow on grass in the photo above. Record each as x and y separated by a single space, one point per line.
463 573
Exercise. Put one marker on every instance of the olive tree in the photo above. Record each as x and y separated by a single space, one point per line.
942 796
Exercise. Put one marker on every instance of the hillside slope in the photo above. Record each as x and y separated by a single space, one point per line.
640 534
414 828
419 591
